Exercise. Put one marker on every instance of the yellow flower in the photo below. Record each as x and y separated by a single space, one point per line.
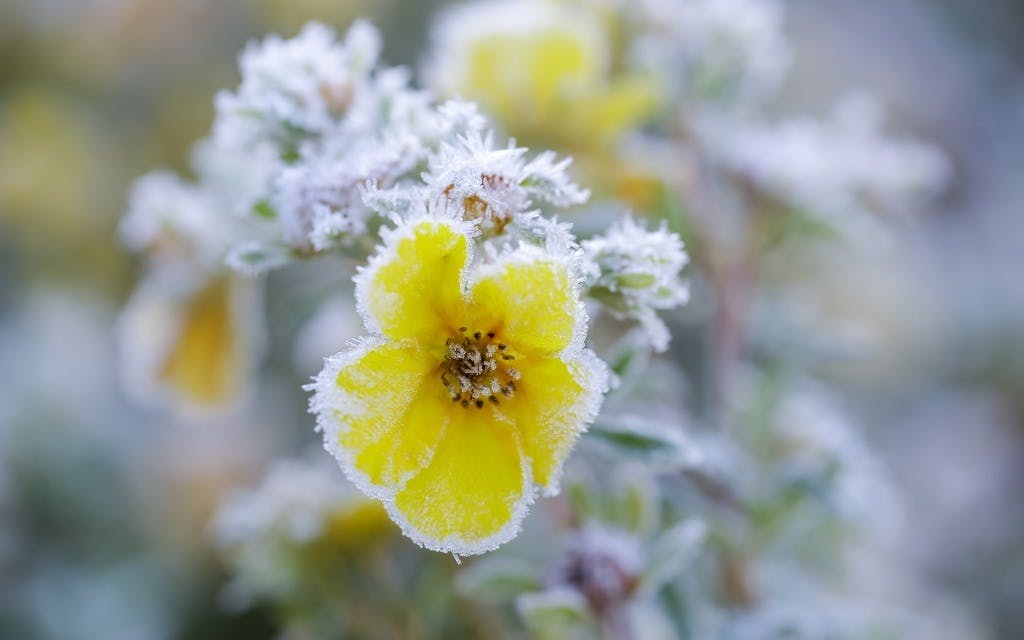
189 336
472 390
544 70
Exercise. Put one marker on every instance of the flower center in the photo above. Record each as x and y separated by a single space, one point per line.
476 369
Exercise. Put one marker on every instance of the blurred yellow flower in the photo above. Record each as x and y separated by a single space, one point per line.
470 394
545 71
189 336
201 364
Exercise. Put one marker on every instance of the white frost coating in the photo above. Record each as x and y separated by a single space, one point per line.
621 546
840 166
637 272
817 434
718 48
162 206
296 87
320 202
528 604
260 529
239 179
491 185
295 499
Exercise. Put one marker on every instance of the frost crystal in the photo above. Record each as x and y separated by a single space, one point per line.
636 272
490 185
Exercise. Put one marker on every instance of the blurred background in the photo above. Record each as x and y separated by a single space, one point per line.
105 506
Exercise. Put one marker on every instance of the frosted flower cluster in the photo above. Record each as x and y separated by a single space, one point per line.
282 174
721 48
263 529
318 141
489 184
295 500
166 213
602 566
842 165
334 123
607 575
298 88
636 272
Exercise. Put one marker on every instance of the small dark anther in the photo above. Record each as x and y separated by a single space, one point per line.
479 404
494 399
505 356
465 403
490 334
456 398
462 329
503 346
476 336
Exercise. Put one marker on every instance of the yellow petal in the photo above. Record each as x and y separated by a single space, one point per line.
385 411
205 363
392 460
553 404
473 495
413 286
532 304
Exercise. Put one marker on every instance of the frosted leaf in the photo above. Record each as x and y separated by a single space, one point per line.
636 272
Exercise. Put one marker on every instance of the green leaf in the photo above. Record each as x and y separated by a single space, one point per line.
635 501
635 280
497 579
263 209
552 613
256 258
629 356
663 446
673 551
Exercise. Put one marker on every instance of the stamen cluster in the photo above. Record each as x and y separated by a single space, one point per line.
471 371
